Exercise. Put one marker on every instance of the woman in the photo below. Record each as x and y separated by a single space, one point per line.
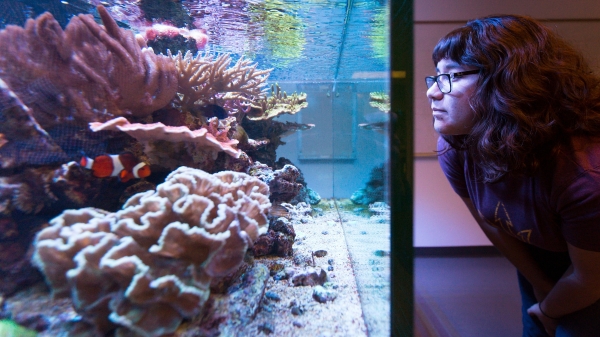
518 113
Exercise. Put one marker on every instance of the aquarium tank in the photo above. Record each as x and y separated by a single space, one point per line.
195 168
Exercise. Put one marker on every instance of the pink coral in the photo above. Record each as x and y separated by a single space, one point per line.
158 255
146 133
85 73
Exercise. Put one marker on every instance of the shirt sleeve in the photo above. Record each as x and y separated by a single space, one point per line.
453 167
579 208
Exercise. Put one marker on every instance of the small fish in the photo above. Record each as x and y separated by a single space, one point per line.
125 166
278 211
213 110
380 126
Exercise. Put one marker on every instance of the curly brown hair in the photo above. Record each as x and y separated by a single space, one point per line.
533 93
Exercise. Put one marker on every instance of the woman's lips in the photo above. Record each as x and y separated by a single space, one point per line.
437 113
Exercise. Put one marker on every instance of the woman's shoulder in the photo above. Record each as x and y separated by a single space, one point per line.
584 151
578 157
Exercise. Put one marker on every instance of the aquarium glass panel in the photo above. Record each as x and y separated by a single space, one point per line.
194 168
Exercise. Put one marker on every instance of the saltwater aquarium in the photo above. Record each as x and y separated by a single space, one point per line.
194 168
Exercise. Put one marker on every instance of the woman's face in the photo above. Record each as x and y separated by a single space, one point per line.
452 113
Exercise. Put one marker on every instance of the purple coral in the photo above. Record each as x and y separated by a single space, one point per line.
282 183
84 73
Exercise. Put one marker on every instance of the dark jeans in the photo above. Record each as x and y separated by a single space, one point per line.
582 323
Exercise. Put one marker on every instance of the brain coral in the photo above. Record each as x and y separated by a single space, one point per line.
148 266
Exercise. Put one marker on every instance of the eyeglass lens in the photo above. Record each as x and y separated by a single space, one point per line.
443 82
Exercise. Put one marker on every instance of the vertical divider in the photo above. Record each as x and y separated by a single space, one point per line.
401 167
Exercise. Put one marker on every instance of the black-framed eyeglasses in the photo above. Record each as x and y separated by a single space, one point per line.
444 81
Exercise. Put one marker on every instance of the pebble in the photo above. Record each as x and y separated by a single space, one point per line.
275 268
297 310
323 295
267 328
272 296
320 253
297 324
302 259
381 253
281 275
324 232
309 277
330 262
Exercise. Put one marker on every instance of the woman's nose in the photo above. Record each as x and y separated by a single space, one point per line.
434 92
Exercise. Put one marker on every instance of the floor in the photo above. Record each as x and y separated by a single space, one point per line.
466 296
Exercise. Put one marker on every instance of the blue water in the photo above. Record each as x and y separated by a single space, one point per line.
301 40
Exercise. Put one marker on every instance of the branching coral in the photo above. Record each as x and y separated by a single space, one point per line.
204 80
380 100
278 103
85 73
149 266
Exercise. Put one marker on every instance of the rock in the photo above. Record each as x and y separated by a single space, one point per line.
301 259
297 310
309 277
323 295
272 296
267 328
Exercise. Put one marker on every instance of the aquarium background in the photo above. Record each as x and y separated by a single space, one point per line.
337 52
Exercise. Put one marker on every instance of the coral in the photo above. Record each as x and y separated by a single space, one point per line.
278 240
49 190
147 133
85 72
379 208
204 80
16 236
284 186
148 266
170 146
380 100
277 104
24 142
282 183
375 188
163 44
272 131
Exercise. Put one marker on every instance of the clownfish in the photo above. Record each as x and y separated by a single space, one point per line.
125 166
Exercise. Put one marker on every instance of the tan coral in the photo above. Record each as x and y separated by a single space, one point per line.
380 100
85 73
210 81
277 104
158 255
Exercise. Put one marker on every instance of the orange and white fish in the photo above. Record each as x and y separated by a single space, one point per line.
125 166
